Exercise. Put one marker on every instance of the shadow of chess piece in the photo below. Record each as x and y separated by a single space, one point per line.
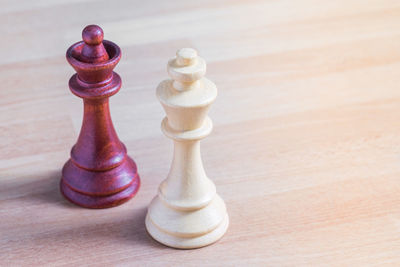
99 173
187 212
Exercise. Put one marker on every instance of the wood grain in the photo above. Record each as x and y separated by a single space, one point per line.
305 149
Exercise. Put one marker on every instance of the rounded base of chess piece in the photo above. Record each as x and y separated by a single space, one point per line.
98 202
100 189
187 228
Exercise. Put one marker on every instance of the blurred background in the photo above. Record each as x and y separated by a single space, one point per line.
305 148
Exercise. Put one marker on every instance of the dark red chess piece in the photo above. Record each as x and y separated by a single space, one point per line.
99 173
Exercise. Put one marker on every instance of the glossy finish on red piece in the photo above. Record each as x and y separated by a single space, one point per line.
99 173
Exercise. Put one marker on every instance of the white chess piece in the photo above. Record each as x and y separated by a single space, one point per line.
187 212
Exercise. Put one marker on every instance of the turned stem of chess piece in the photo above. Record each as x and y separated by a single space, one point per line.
187 212
99 173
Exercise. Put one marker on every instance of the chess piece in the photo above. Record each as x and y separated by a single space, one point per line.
187 212
99 173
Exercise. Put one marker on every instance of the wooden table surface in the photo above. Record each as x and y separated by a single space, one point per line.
306 143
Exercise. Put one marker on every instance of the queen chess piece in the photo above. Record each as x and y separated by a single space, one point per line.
99 173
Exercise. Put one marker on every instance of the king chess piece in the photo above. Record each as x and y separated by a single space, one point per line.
187 212
99 173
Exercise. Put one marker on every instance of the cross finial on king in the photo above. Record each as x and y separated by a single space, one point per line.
186 69
186 56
